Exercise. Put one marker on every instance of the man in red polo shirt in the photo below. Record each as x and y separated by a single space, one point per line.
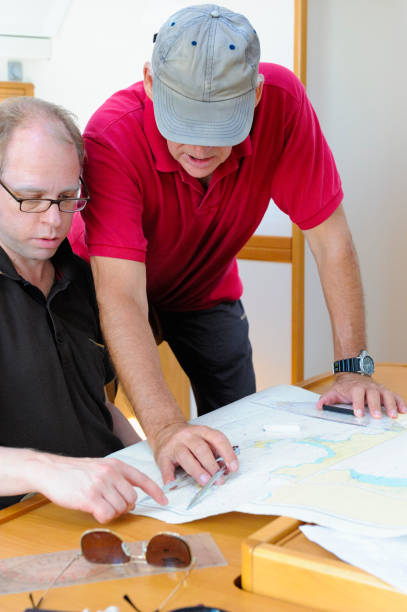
181 169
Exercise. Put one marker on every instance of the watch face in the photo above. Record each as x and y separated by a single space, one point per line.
367 365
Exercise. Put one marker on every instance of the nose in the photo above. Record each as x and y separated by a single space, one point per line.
201 152
52 216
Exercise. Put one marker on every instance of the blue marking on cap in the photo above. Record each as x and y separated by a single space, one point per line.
194 43
232 47
173 23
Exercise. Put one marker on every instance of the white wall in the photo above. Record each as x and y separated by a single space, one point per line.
357 82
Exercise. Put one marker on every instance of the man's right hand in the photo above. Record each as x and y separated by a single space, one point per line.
102 487
193 447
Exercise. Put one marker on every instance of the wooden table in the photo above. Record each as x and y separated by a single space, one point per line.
28 528
49 528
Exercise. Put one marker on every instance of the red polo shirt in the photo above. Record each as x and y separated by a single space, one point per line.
146 208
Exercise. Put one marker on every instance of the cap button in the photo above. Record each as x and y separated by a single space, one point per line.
215 14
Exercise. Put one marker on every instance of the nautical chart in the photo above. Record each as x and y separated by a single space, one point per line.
335 474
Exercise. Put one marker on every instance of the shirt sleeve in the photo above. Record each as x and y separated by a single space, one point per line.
306 184
113 217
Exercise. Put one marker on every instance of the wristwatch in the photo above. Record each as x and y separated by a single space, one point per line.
362 364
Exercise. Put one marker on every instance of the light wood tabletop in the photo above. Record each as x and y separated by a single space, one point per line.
49 528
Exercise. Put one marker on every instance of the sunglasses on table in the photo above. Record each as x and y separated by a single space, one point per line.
102 546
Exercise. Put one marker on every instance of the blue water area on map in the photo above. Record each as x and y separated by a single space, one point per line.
319 444
381 481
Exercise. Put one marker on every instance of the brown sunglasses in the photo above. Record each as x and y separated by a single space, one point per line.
105 547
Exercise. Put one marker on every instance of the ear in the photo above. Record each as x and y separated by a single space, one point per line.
259 89
148 80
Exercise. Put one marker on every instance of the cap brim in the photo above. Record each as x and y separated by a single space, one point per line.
216 124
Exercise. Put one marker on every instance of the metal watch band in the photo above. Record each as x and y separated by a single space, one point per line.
347 365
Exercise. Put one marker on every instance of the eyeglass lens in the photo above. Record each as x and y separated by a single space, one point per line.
69 205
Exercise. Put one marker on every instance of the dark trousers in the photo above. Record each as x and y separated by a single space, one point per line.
214 350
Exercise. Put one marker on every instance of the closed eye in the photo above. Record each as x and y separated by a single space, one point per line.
73 194
29 195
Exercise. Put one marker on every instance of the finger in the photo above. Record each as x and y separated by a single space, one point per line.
189 462
374 403
141 480
389 402
401 405
330 397
358 401
103 511
98 505
145 483
204 454
127 492
223 448
167 468
115 500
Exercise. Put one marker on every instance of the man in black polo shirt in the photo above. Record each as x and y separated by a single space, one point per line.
56 421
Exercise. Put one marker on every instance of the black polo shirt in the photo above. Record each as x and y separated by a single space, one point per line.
53 364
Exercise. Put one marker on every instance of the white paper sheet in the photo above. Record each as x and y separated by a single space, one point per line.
384 558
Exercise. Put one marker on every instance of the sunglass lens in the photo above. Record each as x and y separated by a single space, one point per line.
166 550
103 547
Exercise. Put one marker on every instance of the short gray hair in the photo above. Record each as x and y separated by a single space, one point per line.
25 110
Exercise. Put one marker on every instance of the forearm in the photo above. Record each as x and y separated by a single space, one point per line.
332 246
342 286
136 360
20 470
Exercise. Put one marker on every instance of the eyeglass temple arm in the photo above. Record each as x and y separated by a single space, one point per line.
63 570
177 586
127 598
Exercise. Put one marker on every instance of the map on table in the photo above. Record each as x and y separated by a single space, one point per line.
335 474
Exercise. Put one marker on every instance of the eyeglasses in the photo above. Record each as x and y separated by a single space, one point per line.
106 547
38 205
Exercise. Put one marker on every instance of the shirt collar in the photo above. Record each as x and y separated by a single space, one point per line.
163 159
6 266
63 260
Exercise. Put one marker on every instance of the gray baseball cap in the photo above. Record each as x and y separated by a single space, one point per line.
205 67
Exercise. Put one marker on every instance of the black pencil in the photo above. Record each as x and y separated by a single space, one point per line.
330 408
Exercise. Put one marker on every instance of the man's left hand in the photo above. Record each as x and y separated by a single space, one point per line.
363 391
